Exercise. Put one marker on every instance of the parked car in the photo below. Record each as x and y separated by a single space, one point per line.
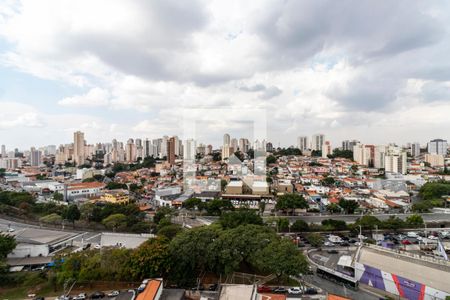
81 296
412 234
406 242
332 251
432 237
264 289
113 294
294 290
279 290
328 244
213 287
345 244
145 281
310 291
98 295
141 288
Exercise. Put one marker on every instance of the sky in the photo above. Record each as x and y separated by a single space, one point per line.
375 71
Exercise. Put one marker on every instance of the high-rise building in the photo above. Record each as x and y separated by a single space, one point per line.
380 152
348 145
302 143
415 149
244 145
226 139
171 150
269 147
361 154
209 150
317 142
438 146
395 160
234 143
189 150
130 151
326 149
35 157
3 151
78 148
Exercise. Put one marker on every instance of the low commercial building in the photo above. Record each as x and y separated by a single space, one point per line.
83 190
34 242
119 196
234 187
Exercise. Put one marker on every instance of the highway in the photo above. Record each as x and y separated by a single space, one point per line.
427 217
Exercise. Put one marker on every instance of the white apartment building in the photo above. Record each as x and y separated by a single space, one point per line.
438 146
395 161
317 142
302 143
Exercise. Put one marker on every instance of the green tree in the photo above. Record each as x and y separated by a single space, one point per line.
349 206
51 219
7 244
194 204
72 213
233 219
169 231
191 254
333 208
315 239
291 202
217 206
281 258
393 223
368 222
434 190
271 159
330 224
115 221
414 221
299 226
328 181
58 196
151 259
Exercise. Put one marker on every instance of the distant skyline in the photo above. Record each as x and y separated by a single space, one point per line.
375 71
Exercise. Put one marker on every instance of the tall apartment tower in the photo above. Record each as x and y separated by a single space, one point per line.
171 143
317 142
348 145
3 151
35 157
78 148
302 143
226 139
415 149
326 149
130 151
438 146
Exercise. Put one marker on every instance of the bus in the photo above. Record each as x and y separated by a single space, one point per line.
337 277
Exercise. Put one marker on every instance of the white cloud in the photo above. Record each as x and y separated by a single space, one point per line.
314 65
95 97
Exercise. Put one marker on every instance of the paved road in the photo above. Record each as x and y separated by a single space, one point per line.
427 217
336 289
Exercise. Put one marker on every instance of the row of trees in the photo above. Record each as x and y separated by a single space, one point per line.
367 223
238 241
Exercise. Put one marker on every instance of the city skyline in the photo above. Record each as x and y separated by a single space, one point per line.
348 76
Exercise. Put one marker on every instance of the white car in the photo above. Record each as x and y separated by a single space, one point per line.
11 229
328 244
412 234
432 237
81 296
295 290
113 294
145 281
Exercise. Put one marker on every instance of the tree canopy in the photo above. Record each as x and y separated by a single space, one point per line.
349 206
291 202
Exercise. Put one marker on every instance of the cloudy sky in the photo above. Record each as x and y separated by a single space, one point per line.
377 71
